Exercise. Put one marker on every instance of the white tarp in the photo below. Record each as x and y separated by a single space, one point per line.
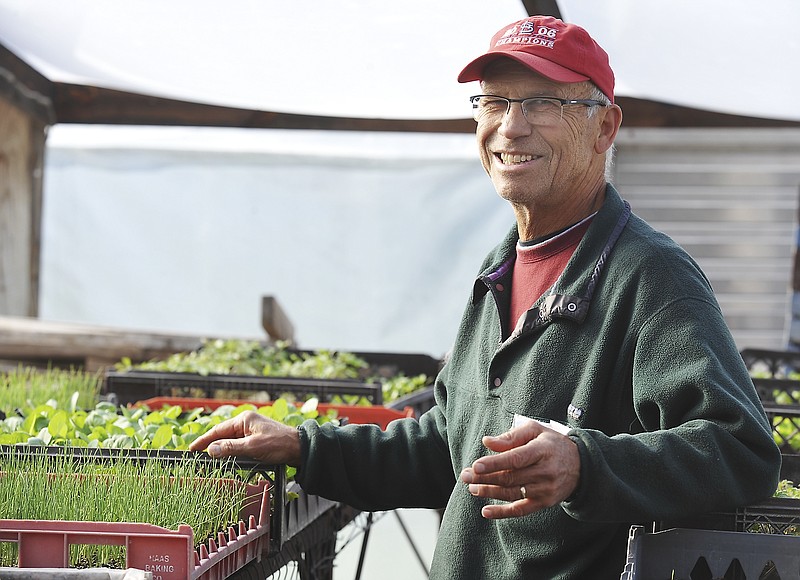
399 60
352 58
730 56
369 241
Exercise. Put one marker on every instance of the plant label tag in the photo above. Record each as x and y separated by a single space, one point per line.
550 424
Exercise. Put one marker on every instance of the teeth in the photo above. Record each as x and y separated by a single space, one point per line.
508 159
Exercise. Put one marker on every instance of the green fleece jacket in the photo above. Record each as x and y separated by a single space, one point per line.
629 349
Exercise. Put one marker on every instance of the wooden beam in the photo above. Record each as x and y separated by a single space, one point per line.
44 342
542 7
22 86
55 102
646 113
95 105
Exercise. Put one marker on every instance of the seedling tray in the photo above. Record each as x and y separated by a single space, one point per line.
168 554
359 414
132 386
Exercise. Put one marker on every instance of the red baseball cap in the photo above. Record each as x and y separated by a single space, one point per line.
560 51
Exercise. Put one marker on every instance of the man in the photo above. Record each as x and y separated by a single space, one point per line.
593 382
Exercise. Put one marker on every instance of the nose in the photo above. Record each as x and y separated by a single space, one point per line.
514 123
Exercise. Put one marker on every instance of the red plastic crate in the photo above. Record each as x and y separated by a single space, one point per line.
359 414
169 554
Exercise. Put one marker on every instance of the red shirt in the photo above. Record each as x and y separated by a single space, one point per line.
538 266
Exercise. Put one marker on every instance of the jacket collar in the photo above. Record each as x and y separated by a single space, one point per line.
571 295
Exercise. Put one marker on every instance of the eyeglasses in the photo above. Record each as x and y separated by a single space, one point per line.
543 111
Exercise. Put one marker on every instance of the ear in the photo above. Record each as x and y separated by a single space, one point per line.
608 128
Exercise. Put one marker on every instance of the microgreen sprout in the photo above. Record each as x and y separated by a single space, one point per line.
56 487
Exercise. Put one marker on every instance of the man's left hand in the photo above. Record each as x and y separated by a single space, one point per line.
542 461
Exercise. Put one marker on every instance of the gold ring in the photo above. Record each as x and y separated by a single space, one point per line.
523 492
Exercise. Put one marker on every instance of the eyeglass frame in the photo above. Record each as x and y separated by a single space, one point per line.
562 102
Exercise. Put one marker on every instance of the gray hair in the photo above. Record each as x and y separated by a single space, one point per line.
598 95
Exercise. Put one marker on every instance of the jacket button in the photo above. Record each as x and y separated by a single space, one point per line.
498 381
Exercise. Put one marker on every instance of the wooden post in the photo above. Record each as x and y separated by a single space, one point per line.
275 321
26 112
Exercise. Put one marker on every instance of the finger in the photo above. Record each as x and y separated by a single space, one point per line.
541 442
543 493
228 447
499 468
500 492
232 428
514 509
500 478
515 506
514 437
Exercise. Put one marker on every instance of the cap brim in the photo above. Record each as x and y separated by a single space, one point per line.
555 72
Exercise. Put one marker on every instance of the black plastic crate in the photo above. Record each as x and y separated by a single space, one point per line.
311 551
776 364
790 467
389 364
695 554
132 386
421 401
781 391
298 513
772 516
785 421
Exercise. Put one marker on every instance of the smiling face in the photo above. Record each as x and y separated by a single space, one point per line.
553 176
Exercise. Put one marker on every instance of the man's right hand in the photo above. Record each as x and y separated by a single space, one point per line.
252 435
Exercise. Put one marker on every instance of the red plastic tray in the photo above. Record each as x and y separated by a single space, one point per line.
169 554
360 414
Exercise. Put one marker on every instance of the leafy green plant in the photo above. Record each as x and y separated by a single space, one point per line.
776 525
243 357
787 489
401 385
108 426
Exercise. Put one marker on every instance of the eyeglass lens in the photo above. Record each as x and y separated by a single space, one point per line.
537 111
